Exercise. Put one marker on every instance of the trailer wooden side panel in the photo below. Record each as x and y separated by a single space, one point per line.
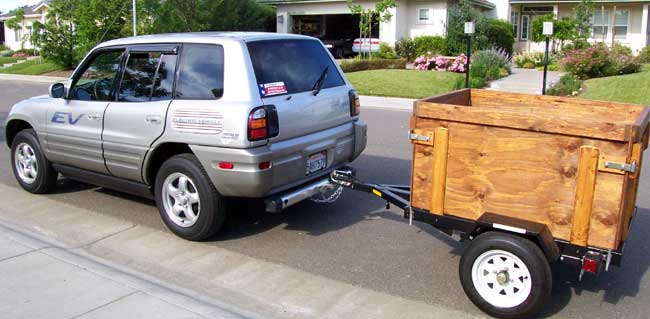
524 163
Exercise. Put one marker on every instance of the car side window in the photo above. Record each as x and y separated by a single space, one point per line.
147 76
96 81
201 72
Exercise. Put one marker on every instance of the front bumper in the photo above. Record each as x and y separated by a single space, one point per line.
288 160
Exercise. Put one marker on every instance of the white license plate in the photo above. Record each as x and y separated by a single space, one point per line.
316 162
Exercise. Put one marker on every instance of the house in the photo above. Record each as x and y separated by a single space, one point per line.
624 21
411 18
19 38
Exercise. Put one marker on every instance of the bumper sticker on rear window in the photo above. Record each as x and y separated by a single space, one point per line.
274 88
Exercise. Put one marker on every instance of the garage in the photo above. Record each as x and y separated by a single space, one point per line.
337 31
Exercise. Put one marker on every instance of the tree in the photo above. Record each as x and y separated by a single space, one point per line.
59 37
584 13
563 30
369 16
17 22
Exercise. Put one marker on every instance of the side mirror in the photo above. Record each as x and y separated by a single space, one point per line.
57 90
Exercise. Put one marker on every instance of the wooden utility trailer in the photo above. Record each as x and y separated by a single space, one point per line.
528 180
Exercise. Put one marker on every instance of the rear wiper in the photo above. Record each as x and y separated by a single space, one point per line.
321 80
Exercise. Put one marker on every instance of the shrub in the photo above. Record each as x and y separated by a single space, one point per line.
500 35
530 60
27 52
386 51
567 85
490 64
19 55
644 55
430 45
475 83
528 65
6 53
578 44
405 48
441 63
599 61
374 64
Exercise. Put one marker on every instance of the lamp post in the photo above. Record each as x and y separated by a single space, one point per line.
469 30
547 31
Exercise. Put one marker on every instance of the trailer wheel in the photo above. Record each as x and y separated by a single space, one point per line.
506 276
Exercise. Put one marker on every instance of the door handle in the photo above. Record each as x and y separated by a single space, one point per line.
94 116
153 119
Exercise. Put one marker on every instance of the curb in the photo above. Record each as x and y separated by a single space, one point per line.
32 78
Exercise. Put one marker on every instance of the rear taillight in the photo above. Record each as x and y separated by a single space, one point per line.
355 104
263 123
356 42
375 41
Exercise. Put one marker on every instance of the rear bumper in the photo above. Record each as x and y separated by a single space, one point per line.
288 161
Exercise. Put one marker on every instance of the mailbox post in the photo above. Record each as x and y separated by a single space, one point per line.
548 32
469 30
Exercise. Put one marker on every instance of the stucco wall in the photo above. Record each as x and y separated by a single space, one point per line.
10 35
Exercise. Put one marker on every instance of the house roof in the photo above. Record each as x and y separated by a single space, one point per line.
480 3
29 10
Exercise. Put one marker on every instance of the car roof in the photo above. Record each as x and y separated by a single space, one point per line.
202 37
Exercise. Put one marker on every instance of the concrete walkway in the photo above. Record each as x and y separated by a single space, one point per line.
44 280
525 81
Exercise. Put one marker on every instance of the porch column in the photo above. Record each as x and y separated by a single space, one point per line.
644 25
556 11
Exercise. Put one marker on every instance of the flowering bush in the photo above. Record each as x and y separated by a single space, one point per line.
490 64
441 63
531 60
20 55
599 61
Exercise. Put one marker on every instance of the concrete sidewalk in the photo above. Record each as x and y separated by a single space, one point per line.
525 81
44 280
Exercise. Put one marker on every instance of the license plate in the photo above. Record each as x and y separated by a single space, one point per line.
316 162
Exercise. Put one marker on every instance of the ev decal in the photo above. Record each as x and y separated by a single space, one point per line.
61 117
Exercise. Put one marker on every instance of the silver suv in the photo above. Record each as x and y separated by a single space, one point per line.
192 119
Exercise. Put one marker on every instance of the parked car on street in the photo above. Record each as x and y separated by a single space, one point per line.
162 117
365 45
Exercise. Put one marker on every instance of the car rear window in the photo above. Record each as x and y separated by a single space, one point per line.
295 63
201 72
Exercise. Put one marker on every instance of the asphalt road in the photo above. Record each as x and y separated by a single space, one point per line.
356 240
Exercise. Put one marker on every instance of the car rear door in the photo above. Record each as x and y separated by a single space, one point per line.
137 118
287 71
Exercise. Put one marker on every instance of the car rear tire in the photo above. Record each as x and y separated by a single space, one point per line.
32 170
506 276
188 203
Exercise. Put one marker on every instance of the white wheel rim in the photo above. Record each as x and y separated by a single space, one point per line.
501 278
181 200
26 163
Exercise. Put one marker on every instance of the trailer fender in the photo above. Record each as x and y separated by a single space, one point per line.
539 233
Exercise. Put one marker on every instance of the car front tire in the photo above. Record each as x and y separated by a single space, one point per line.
188 203
32 170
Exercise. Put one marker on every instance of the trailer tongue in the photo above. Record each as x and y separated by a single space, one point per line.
528 180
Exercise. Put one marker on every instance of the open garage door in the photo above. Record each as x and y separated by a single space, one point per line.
337 31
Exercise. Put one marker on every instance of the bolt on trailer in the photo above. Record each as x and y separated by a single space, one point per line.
528 180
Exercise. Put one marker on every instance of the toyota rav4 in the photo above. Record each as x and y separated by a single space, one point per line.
192 119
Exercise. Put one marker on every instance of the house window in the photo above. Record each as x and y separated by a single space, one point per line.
424 15
514 19
620 24
18 35
525 26
601 23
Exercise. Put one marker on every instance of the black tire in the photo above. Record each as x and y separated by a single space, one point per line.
541 279
339 53
212 205
46 176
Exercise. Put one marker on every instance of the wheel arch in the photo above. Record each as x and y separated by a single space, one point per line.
13 127
159 155
538 233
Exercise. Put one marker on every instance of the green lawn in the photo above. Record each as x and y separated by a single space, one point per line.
631 88
4 60
403 83
32 67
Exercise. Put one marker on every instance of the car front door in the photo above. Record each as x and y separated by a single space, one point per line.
74 128
137 118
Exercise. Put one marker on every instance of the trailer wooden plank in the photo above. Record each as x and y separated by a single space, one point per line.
584 195
439 183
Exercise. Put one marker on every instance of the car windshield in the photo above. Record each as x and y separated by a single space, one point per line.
292 65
